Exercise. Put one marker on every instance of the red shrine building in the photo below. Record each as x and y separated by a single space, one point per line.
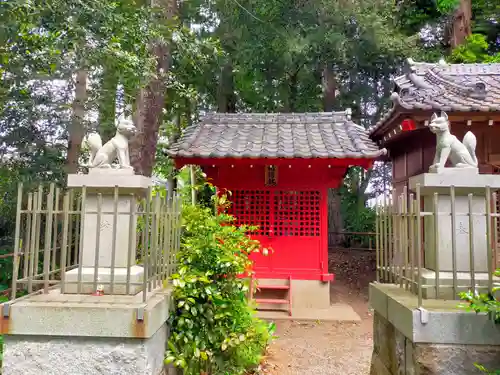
278 168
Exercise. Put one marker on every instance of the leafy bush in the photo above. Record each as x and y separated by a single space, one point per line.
474 50
484 303
213 328
357 218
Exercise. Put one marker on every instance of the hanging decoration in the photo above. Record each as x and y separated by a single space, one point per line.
271 178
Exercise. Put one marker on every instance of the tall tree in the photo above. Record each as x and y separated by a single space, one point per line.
151 99
76 129
60 47
461 25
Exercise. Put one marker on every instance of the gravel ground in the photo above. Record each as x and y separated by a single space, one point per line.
330 348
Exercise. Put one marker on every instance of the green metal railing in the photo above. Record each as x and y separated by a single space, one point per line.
402 227
49 238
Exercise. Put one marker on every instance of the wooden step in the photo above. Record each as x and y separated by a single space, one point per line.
271 287
272 301
277 287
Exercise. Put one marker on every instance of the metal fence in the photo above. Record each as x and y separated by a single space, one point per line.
409 236
49 239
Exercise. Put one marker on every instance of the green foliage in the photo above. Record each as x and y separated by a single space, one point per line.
204 191
213 328
412 15
484 303
485 370
11 174
447 6
358 217
474 50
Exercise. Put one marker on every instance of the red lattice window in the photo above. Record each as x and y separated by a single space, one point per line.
251 207
297 213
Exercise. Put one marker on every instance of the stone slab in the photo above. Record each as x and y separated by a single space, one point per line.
395 354
112 171
104 275
310 294
336 312
439 236
57 314
454 170
105 182
436 359
428 282
122 236
306 294
463 283
464 183
50 355
377 367
447 322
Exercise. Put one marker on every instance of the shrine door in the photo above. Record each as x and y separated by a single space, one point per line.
289 224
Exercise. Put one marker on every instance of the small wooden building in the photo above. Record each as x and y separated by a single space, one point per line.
278 168
468 93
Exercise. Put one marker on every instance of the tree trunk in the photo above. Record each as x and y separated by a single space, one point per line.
461 23
107 105
172 180
335 222
76 128
150 104
329 84
290 92
226 100
293 92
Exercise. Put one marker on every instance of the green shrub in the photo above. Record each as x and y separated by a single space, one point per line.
213 328
484 303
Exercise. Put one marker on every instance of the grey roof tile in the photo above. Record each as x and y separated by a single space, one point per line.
283 135
446 87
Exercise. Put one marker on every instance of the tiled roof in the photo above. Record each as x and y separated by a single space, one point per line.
283 135
446 87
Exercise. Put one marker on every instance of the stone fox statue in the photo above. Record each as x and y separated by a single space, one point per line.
461 154
117 147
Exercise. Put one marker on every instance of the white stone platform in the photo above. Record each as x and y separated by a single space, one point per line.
107 179
337 312
439 235
58 333
106 245
445 290
104 274
464 180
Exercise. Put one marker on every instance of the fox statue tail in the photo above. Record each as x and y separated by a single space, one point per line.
95 143
470 143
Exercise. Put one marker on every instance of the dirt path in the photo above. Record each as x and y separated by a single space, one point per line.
330 348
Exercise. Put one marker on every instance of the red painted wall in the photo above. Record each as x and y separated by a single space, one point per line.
292 216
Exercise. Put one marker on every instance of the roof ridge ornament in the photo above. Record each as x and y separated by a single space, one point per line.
348 113
476 89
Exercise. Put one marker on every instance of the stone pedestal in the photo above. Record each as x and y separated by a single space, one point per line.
465 181
103 181
442 340
56 334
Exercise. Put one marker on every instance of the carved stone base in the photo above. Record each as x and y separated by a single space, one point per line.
454 170
103 181
104 275
113 171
